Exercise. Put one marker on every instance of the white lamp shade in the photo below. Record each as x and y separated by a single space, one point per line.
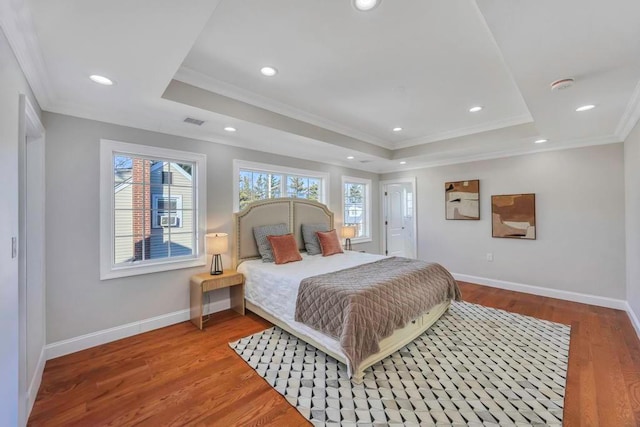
348 231
217 243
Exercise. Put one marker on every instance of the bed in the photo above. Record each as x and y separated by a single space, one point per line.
271 290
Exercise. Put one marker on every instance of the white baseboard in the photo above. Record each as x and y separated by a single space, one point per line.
93 339
634 319
34 386
546 292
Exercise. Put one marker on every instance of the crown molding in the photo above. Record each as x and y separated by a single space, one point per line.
17 25
151 125
501 154
456 133
191 132
198 79
631 115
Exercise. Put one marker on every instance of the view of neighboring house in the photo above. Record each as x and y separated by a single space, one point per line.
153 210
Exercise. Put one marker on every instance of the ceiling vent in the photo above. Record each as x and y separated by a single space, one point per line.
562 84
193 121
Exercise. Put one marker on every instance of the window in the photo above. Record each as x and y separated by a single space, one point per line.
257 181
152 209
356 206
408 211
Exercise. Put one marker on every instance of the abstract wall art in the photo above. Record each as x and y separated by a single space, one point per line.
513 216
462 199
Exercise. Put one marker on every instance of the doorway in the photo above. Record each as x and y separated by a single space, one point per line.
399 212
31 258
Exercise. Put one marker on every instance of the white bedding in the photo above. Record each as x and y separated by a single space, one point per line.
274 288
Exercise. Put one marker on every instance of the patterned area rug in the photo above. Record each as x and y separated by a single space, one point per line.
476 366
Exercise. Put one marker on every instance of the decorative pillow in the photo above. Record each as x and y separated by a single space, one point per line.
285 248
311 243
260 234
329 242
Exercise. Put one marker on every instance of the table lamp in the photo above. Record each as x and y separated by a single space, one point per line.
217 243
348 232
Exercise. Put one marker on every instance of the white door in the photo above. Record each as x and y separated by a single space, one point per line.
399 219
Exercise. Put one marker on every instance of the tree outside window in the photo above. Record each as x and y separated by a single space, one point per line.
256 184
357 206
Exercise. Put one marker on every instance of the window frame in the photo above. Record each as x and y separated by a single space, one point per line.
368 203
276 169
108 268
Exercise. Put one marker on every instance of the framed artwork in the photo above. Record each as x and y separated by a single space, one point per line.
513 216
462 199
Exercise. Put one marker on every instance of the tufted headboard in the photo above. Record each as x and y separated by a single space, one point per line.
291 211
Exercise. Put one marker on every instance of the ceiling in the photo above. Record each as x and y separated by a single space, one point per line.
345 78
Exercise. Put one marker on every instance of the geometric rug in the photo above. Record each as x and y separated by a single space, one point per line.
476 366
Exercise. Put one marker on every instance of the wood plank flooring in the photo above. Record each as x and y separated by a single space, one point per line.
182 376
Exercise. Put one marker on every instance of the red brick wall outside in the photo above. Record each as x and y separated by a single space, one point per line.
141 204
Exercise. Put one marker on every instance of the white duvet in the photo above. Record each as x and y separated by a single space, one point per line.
274 288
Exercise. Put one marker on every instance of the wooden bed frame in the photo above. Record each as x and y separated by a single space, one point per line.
295 212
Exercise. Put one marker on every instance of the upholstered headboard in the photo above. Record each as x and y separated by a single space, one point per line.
293 212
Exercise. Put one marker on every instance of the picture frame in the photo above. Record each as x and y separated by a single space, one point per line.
513 216
462 200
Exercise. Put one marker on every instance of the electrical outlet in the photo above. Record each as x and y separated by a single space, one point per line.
490 256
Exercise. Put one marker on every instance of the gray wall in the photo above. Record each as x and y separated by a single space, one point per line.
632 179
77 301
12 85
580 216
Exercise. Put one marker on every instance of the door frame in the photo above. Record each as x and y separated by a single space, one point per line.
31 131
383 211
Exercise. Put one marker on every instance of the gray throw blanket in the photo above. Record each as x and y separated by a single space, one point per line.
362 305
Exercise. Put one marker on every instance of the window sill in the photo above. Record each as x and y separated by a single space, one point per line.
136 270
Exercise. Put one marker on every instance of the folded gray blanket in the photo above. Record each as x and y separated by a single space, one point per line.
362 305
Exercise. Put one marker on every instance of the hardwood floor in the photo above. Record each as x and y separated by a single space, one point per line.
180 375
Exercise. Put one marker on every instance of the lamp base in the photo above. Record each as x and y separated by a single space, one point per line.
216 265
347 244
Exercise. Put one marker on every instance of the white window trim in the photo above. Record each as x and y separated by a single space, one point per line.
368 205
264 167
108 270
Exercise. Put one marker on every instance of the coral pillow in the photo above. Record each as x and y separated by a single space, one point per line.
329 242
284 248
261 233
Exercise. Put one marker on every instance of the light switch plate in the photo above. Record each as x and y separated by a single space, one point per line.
14 247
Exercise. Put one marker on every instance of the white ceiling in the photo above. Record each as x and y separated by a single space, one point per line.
346 78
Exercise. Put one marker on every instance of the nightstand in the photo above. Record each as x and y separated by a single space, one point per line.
205 282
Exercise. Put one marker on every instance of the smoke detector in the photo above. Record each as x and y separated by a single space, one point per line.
562 84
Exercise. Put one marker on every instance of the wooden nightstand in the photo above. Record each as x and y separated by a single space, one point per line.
205 282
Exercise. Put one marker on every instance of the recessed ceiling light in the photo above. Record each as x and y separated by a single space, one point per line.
366 5
398 129
101 80
586 107
403 162
230 129
540 141
475 109
268 71
350 157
